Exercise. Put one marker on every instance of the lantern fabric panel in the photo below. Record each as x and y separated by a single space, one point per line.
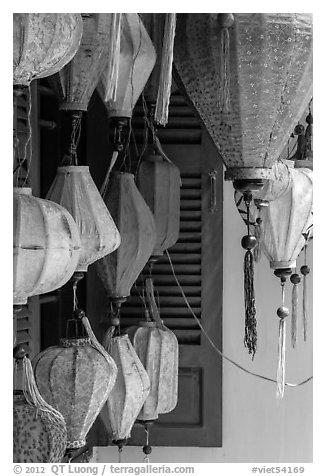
76 379
46 245
286 219
270 83
136 61
74 189
38 436
130 390
75 84
43 43
119 270
159 183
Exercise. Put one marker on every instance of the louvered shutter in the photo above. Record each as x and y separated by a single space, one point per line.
197 258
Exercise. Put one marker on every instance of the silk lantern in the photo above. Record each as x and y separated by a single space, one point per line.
43 44
39 431
136 61
158 180
46 245
119 270
129 392
249 76
76 378
74 189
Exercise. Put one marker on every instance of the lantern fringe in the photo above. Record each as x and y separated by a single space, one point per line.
294 317
94 341
250 339
154 312
304 308
33 396
280 379
113 55
258 248
107 340
164 88
107 177
223 88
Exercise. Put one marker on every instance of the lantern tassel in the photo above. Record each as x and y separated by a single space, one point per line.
93 339
164 88
113 55
294 317
223 92
304 308
250 339
33 396
152 303
106 180
281 360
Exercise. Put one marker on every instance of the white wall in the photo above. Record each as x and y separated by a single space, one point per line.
256 426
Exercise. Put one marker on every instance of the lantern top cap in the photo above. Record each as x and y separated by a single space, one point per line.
23 190
72 168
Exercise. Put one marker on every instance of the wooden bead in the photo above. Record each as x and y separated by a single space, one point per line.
147 449
115 321
295 278
248 242
259 221
305 270
309 118
283 312
299 129
19 352
225 20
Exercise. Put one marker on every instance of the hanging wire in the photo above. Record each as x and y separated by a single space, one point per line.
28 141
214 345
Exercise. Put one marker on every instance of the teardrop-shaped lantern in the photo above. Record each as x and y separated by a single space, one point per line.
158 352
136 61
43 43
39 431
158 180
76 378
74 189
129 392
119 270
269 73
75 84
46 245
286 219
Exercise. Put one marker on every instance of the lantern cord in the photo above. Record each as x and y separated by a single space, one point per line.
304 296
119 455
106 180
75 299
294 316
33 396
28 141
75 138
258 235
146 458
219 352
93 339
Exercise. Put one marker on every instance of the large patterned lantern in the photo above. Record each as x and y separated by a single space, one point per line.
76 378
249 76
43 44
119 270
158 180
46 245
39 431
129 392
74 189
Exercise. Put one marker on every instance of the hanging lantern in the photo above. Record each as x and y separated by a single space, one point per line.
161 28
43 44
74 189
284 224
39 431
158 352
129 392
158 180
75 84
76 378
119 270
136 61
46 245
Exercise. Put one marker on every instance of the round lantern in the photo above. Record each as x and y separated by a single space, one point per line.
39 431
136 61
159 182
269 74
46 245
74 189
119 270
75 84
76 378
129 392
158 352
43 43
